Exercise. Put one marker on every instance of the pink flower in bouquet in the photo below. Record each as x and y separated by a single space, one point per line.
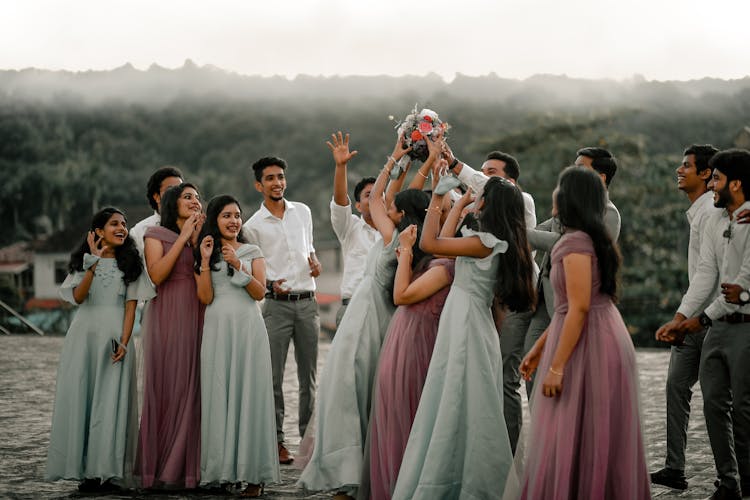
428 118
425 127
415 136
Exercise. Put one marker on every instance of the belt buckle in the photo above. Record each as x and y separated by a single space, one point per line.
294 296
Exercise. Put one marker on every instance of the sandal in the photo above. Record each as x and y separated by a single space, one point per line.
253 490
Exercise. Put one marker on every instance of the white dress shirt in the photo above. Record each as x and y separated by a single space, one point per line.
357 237
724 258
286 244
139 230
699 210
476 181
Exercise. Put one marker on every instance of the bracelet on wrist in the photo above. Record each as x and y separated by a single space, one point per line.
420 173
404 250
453 164
555 371
391 158
434 209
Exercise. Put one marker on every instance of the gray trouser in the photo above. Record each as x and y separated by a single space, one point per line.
539 323
299 322
684 362
725 383
512 338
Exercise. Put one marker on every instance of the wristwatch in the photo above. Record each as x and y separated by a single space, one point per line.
744 297
704 320
453 164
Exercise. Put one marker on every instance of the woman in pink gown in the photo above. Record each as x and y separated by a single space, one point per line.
585 438
169 439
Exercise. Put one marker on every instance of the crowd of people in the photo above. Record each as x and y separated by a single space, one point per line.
444 314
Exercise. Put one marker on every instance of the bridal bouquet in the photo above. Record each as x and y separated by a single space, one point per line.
416 127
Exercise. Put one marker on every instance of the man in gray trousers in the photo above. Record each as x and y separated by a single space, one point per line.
283 230
693 176
723 373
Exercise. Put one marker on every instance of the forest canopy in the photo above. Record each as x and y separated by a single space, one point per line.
70 143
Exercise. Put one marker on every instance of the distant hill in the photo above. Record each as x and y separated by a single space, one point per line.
72 142
159 86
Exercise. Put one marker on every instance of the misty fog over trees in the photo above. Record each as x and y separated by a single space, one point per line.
73 142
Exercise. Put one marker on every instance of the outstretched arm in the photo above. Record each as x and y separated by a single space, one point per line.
431 241
341 157
378 207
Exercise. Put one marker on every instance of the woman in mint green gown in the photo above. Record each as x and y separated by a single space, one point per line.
94 424
339 433
238 426
458 447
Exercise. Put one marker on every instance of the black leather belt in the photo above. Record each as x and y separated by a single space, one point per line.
291 296
345 302
735 318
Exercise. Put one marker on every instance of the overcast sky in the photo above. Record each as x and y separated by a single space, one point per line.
659 39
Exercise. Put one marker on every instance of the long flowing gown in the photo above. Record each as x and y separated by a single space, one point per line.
459 447
238 420
404 361
95 419
169 439
343 409
587 442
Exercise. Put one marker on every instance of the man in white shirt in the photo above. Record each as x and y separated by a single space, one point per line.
693 176
283 230
357 235
514 324
723 372
161 180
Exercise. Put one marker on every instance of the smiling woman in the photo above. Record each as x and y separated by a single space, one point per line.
95 418
169 439
238 421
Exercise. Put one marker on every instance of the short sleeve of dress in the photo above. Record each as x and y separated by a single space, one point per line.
161 233
489 240
448 264
141 289
573 242
249 252
71 281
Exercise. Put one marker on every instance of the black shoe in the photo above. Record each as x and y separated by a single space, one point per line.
725 493
672 478
108 487
89 485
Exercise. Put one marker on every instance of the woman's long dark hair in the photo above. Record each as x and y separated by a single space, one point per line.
503 215
581 204
414 203
169 212
127 256
211 228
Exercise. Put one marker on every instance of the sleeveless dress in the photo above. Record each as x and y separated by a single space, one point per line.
346 382
404 361
169 439
238 420
587 442
459 447
94 423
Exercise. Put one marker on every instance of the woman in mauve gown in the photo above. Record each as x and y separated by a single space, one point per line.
169 439
585 437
